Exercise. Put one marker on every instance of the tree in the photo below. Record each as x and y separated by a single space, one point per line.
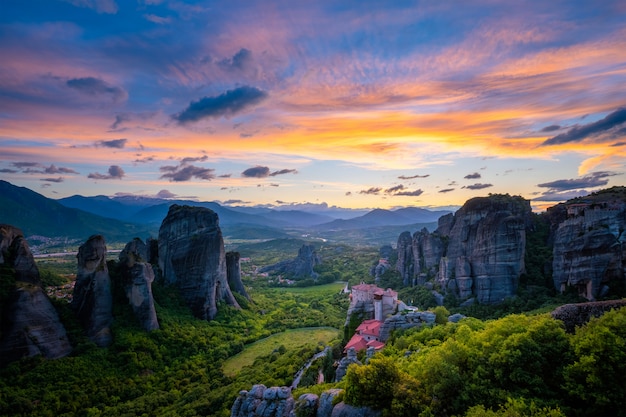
597 378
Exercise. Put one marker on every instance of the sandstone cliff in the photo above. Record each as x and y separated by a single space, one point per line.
300 267
92 298
30 324
191 257
137 276
477 252
590 242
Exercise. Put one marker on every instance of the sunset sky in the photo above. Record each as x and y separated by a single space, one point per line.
357 104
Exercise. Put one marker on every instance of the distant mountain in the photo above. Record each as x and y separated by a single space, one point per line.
145 210
39 215
381 217
100 205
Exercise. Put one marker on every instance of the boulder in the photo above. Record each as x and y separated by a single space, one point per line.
325 404
92 298
192 258
137 278
30 324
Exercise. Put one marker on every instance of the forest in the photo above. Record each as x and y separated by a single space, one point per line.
492 363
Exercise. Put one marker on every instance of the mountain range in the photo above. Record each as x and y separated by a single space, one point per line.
124 217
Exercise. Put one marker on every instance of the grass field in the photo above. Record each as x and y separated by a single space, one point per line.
290 339
322 290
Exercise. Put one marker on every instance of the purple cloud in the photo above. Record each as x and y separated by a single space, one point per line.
595 179
187 172
96 87
473 176
580 133
229 103
256 172
404 177
115 172
477 186
114 143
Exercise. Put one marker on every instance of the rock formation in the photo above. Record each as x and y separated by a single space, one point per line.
233 272
346 361
576 315
191 257
30 324
405 321
137 276
406 262
92 298
478 251
590 242
261 401
300 267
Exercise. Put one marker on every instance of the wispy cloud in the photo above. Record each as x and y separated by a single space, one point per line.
57 180
404 177
96 87
100 6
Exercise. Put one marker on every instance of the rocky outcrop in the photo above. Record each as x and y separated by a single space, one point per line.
192 258
300 267
30 325
478 251
346 361
406 261
137 278
590 243
576 315
261 401
233 272
405 321
92 299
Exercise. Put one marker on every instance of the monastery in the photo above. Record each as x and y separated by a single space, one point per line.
385 303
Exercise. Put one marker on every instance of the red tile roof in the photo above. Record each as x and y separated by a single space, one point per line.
369 327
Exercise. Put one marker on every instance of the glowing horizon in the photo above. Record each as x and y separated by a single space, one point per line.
352 104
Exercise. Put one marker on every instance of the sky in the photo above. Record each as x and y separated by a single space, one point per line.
355 104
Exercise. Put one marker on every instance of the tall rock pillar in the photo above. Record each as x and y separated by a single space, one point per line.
191 257
92 299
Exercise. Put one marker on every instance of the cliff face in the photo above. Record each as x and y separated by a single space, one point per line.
138 276
233 271
300 267
478 251
589 244
30 324
92 299
191 256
